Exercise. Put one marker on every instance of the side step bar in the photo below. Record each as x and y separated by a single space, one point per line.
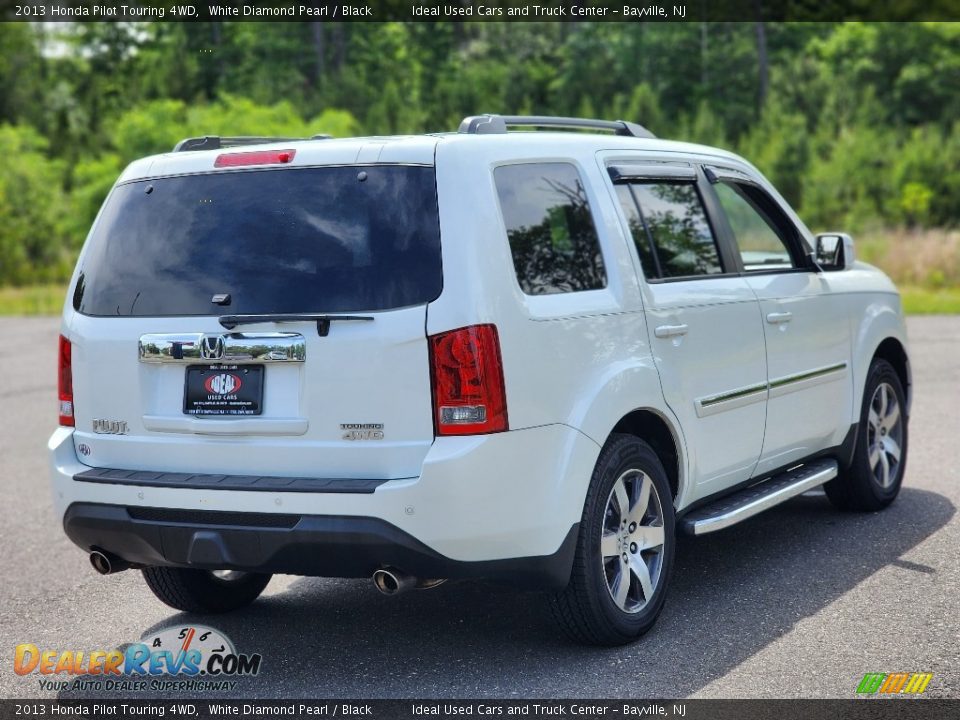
733 508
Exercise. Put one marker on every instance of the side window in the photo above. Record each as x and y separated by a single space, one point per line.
638 230
758 227
551 231
670 229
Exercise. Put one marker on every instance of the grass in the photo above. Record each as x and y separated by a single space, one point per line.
48 300
925 265
922 301
914 258
32 300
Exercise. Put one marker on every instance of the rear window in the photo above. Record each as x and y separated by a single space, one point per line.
333 239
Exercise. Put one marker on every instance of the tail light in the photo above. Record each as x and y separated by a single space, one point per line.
468 392
65 382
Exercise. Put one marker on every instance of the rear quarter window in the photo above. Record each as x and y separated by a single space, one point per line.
553 239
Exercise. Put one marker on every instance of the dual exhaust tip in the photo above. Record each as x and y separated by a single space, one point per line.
391 581
388 580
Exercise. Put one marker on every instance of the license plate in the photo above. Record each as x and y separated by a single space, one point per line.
223 390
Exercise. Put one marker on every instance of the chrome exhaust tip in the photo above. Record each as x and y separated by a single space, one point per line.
391 581
106 564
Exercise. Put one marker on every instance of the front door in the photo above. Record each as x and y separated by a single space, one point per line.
806 328
704 323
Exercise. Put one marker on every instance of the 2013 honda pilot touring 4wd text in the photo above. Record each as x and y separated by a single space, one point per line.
534 357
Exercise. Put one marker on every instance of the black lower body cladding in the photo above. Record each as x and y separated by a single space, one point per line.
319 545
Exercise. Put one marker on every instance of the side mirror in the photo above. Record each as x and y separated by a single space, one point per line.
835 251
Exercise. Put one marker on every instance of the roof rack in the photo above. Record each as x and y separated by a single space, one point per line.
497 124
215 142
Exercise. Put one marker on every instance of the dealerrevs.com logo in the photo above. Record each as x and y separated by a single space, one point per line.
181 658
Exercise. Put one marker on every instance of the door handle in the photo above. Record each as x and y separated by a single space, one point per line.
665 331
779 317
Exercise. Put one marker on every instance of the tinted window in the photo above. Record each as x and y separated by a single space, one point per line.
638 231
552 236
278 241
670 229
761 244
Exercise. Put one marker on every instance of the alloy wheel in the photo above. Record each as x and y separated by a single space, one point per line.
884 435
632 541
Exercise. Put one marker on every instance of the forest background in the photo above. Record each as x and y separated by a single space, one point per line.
857 124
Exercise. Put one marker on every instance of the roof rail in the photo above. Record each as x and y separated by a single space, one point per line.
215 142
496 124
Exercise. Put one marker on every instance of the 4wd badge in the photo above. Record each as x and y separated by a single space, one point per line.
362 431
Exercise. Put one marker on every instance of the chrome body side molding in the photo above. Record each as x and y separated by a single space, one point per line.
775 388
801 381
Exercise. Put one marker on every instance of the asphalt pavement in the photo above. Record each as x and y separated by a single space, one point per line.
800 601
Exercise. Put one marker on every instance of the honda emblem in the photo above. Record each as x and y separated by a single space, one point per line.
211 347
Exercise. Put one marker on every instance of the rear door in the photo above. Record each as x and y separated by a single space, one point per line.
704 322
161 383
806 325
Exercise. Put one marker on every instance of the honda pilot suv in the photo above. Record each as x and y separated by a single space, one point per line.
532 357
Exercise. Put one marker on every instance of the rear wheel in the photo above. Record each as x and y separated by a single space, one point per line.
874 477
625 550
205 591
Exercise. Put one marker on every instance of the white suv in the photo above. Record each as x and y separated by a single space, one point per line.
526 356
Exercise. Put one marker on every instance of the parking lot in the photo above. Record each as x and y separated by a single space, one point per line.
798 602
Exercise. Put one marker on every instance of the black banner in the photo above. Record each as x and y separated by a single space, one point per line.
865 709
478 10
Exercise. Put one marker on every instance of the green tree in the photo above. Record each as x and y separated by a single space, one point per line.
32 240
779 146
21 73
849 185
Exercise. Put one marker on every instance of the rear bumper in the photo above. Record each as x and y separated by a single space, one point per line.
310 545
203 481
500 505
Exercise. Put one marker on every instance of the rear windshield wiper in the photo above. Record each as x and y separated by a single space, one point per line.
323 321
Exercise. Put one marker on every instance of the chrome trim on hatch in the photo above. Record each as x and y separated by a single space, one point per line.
233 348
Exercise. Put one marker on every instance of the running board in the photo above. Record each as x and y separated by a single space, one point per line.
731 509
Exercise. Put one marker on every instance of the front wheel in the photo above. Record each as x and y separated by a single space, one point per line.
874 477
204 591
625 549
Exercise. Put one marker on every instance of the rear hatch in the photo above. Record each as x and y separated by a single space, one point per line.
162 380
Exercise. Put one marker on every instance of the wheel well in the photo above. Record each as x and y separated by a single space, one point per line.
653 429
893 352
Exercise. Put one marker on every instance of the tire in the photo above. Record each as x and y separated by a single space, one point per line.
874 477
594 609
202 591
